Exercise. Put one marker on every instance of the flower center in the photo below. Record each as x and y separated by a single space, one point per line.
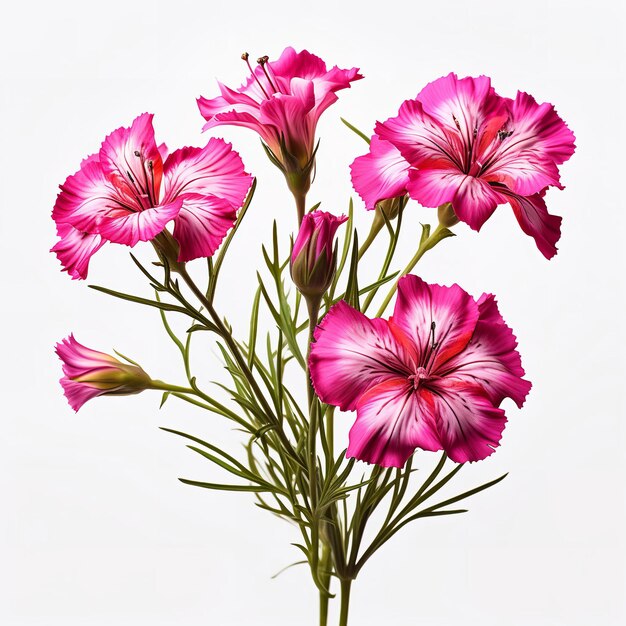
421 374
141 178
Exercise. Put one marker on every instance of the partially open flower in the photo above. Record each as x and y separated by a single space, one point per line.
89 374
313 258
282 100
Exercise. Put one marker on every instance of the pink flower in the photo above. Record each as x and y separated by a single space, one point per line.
313 259
131 189
467 145
431 377
282 101
89 373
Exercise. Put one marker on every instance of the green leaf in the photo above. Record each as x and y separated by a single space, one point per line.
465 494
354 129
145 272
221 487
352 288
254 325
164 306
284 569
217 265
345 249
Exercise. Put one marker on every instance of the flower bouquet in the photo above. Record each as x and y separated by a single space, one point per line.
416 366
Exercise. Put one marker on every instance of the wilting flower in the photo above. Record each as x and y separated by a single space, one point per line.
89 373
431 377
313 257
468 146
131 189
282 101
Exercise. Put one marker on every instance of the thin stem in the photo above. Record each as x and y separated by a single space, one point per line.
313 305
159 384
300 205
330 434
241 362
440 233
325 580
345 601
377 226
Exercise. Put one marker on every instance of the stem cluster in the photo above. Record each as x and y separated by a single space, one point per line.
291 464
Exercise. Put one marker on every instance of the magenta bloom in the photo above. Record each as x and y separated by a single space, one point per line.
313 257
467 145
431 377
282 101
89 373
131 189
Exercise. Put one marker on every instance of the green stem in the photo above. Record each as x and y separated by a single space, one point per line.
300 205
325 580
345 602
330 434
159 384
241 362
440 233
377 226
313 305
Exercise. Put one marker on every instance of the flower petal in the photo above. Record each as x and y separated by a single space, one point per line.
289 114
381 174
78 393
351 353
268 134
129 228
536 142
202 224
474 202
214 170
78 358
468 424
86 198
463 105
130 158
75 248
421 140
304 64
490 358
451 310
532 214
432 188
392 420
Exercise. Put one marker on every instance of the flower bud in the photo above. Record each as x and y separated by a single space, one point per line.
89 373
313 256
390 207
447 216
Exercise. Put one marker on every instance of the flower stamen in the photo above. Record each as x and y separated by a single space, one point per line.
245 56
263 62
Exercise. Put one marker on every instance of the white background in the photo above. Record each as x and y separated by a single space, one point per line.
95 529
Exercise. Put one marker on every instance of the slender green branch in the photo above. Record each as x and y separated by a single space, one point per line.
377 226
345 602
313 305
440 233
241 362
300 206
